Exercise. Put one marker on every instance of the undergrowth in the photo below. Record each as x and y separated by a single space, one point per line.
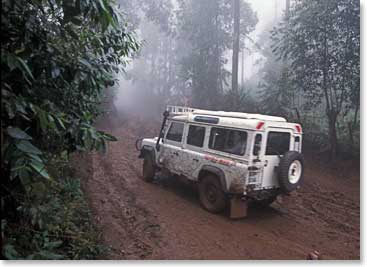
52 220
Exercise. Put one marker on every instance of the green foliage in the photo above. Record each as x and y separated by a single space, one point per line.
54 76
319 48
321 40
206 28
245 100
54 222
57 59
277 91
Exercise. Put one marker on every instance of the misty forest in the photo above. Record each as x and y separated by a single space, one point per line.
81 80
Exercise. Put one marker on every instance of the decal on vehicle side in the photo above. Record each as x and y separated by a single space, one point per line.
219 160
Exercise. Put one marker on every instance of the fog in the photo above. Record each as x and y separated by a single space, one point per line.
268 11
145 88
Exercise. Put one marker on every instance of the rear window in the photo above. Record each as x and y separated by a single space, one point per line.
227 140
257 145
175 131
196 135
278 143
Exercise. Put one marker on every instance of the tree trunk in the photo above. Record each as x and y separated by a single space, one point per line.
350 128
352 125
356 110
298 115
236 48
243 66
333 138
287 5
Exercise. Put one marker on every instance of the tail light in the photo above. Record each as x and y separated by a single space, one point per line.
299 128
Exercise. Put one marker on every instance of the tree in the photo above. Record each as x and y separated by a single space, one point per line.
244 22
322 44
236 46
154 72
205 30
57 60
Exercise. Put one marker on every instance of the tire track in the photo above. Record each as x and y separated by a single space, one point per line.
164 220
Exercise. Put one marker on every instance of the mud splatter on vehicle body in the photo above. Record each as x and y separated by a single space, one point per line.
247 156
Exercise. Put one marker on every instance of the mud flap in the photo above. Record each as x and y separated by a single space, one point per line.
238 208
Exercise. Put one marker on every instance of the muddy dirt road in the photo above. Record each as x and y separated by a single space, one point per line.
164 220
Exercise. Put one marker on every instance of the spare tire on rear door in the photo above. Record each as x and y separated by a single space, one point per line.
290 171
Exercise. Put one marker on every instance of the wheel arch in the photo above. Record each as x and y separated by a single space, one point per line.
145 150
211 170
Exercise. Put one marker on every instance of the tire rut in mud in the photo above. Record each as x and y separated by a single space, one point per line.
164 220
120 214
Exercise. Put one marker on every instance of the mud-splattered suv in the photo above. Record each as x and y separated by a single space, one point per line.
234 157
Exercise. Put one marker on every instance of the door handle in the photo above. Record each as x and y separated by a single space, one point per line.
195 160
266 163
175 153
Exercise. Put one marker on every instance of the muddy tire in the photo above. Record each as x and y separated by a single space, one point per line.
211 194
291 171
148 168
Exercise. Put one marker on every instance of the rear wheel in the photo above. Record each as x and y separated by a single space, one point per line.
148 168
211 194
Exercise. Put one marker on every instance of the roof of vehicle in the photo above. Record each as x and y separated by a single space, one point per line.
248 121
239 115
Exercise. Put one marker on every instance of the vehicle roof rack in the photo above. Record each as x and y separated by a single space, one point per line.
239 115
180 110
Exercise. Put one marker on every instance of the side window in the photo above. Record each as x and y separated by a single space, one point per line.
175 131
278 143
226 140
257 145
196 135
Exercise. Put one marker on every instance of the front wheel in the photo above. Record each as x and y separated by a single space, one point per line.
148 168
211 194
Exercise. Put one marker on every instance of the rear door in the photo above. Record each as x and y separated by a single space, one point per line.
277 142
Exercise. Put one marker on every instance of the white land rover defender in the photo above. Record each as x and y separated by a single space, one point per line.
231 155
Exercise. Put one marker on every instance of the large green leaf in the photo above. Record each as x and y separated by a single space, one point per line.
27 147
60 122
35 157
17 133
40 168
109 137
42 117
10 252
24 67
